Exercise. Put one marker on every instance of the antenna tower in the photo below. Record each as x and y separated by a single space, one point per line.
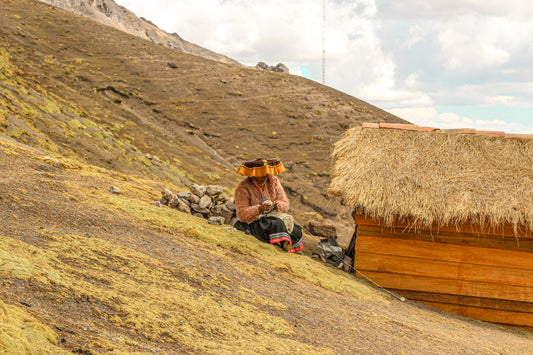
324 42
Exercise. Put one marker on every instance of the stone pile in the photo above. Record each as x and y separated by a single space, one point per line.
201 201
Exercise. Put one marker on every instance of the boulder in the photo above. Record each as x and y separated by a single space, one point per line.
114 190
216 220
348 264
167 196
222 211
205 202
262 66
183 206
221 199
214 190
230 205
194 199
198 190
280 67
199 209
198 214
321 229
174 201
185 195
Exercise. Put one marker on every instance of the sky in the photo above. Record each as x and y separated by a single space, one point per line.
439 63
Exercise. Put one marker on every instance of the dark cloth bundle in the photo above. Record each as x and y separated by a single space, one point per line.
272 230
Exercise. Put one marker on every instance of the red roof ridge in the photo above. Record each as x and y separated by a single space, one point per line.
409 127
370 125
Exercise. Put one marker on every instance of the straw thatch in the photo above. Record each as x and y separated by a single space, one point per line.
434 178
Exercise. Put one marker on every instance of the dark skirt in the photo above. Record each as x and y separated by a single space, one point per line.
272 230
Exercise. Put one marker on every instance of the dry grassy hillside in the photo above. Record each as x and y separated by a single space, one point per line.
78 88
86 271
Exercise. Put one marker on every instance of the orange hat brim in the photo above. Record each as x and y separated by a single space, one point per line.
261 170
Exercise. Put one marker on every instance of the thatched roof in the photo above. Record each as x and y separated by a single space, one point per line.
436 177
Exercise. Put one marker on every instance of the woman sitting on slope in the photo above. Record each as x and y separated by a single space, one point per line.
262 205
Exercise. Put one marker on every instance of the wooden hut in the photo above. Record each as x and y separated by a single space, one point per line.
444 217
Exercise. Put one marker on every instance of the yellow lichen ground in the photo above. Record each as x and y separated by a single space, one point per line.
82 269
20 333
151 297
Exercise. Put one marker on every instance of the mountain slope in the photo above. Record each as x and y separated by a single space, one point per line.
111 14
75 87
84 107
87 271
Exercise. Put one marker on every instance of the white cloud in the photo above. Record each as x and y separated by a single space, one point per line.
407 56
429 117
412 80
422 115
474 43
519 10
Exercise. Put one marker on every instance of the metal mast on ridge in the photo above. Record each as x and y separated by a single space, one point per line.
324 42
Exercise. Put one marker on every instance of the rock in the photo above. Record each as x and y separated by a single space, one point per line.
205 202
215 210
233 220
174 201
186 202
198 214
262 65
348 264
222 211
156 203
214 190
198 190
194 199
167 196
114 190
153 36
221 199
185 195
230 205
322 229
216 220
183 206
280 67
197 208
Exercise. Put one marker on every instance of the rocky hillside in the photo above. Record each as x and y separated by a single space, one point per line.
75 87
109 13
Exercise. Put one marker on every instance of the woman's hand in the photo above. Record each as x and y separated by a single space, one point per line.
263 208
276 205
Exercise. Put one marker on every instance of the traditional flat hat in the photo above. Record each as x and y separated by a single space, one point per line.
261 167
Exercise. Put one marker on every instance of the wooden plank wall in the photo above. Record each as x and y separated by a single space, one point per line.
486 277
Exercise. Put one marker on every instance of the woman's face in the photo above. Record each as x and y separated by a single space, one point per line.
261 179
